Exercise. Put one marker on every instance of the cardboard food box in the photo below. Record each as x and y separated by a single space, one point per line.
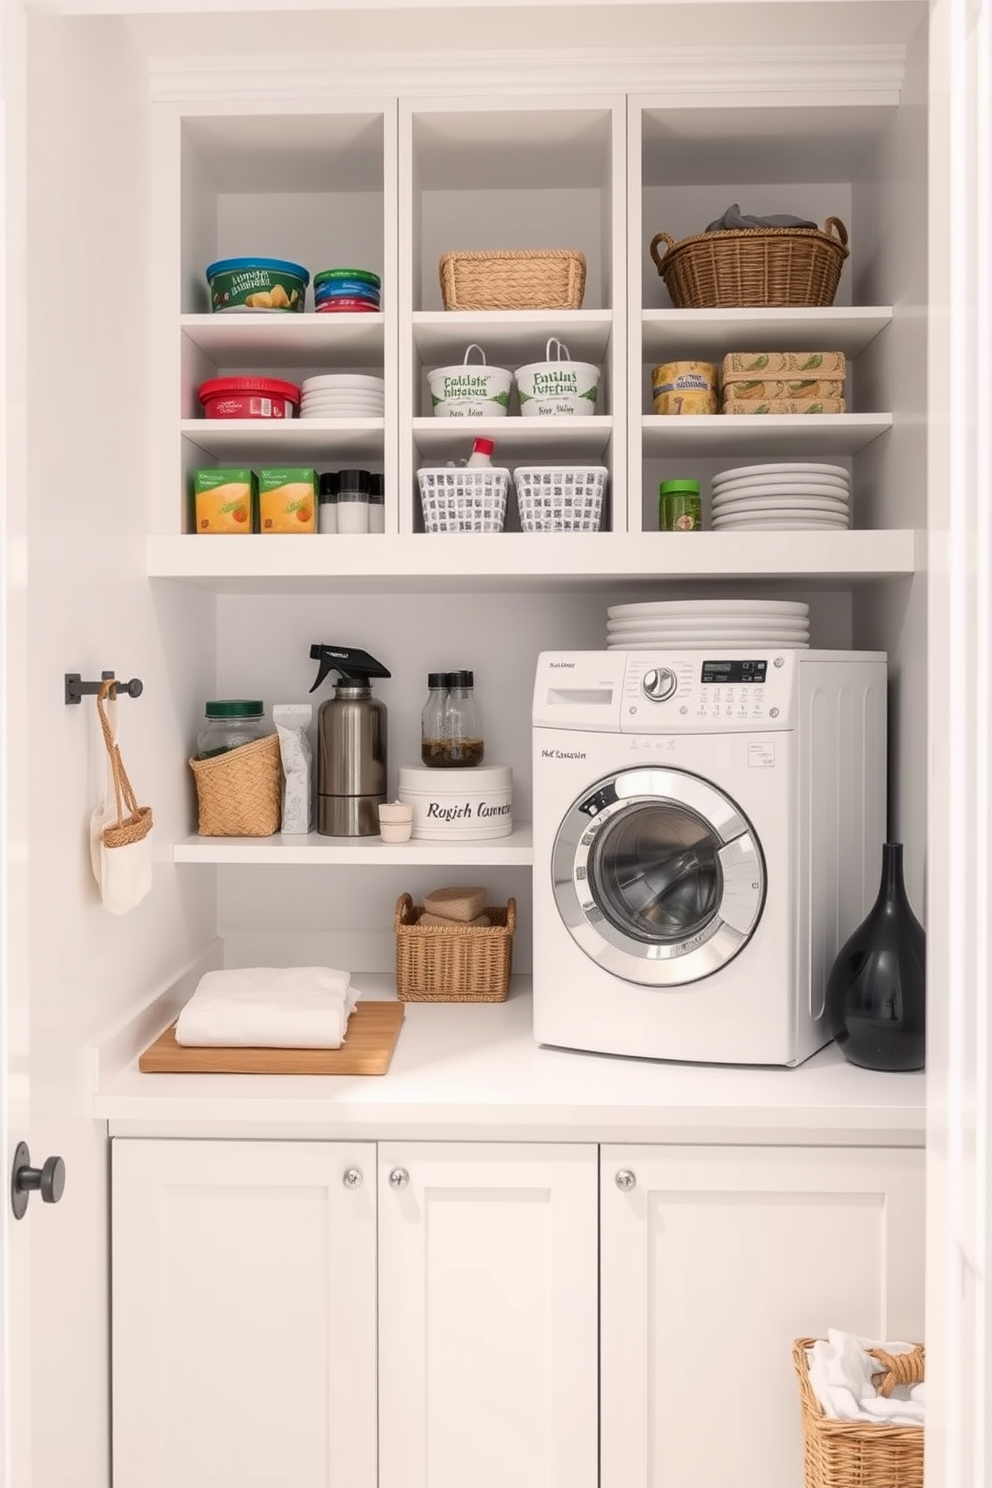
798 387
785 364
224 500
287 499
785 405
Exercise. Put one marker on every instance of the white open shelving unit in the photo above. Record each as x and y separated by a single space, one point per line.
393 185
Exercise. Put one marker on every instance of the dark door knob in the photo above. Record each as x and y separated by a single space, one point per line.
48 1180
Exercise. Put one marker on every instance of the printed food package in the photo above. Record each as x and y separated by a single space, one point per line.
224 500
785 364
287 499
800 387
785 405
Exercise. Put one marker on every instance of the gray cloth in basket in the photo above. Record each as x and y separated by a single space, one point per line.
734 217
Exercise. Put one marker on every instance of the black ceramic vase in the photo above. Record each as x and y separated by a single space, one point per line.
876 991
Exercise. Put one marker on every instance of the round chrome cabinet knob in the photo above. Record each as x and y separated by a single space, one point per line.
399 1178
659 684
353 1178
625 1180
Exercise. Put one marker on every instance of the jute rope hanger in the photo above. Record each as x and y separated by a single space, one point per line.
138 822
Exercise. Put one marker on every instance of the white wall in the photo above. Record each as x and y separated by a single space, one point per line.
89 607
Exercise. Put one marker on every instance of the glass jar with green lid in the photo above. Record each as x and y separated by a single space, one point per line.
230 723
679 506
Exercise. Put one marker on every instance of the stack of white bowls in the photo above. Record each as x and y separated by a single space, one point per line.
702 624
781 498
350 395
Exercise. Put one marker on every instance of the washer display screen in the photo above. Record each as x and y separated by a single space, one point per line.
734 671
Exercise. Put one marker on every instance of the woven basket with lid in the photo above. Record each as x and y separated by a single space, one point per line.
760 266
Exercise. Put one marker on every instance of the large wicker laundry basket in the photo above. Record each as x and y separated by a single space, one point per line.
753 266
858 1454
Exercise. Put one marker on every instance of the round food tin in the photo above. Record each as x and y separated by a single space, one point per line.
330 276
685 387
679 506
458 805
249 397
256 285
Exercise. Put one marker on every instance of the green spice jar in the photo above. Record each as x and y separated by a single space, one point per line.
679 506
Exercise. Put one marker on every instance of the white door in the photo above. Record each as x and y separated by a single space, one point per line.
243 1314
487 1315
714 1260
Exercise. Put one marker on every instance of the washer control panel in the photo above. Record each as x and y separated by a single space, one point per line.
693 689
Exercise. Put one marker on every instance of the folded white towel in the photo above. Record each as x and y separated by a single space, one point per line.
265 1007
841 1377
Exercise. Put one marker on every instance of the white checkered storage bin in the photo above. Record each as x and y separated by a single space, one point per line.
556 498
457 499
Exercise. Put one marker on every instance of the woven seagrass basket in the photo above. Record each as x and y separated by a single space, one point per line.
513 279
860 1454
463 963
239 791
753 266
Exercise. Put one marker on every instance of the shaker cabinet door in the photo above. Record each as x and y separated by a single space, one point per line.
714 1260
243 1314
488 1315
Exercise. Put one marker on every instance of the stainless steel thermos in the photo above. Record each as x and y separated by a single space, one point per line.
351 744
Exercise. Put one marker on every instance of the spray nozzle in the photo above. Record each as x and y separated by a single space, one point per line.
353 667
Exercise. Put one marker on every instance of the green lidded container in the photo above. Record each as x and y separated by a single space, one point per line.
231 722
680 508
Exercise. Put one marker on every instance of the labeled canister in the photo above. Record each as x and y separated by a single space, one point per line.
685 387
679 506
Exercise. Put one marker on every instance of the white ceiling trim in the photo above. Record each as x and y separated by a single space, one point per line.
868 74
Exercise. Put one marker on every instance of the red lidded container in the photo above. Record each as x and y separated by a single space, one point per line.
249 398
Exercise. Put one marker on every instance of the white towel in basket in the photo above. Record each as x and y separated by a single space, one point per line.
265 1007
840 1375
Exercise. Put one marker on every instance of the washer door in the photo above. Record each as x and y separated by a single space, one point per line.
658 876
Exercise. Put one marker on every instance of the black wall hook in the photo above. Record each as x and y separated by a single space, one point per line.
76 689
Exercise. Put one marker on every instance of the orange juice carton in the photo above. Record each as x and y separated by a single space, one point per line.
287 499
224 500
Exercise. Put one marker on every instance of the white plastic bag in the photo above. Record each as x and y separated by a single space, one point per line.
292 721
120 829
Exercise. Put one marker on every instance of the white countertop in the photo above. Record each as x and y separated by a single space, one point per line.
469 1072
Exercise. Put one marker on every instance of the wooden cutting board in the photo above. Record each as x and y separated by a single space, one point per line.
373 1029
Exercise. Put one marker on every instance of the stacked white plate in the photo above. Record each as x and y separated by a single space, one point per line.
342 395
781 498
702 624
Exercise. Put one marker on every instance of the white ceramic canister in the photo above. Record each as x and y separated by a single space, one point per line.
558 386
470 390
461 805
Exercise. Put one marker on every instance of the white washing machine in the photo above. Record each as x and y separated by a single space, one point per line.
707 833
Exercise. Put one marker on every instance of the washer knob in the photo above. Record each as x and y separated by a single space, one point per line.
659 684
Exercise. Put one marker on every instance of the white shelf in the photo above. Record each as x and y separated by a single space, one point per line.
291 441
301 340
519 336
709 334
516 438
514 561
761 436
368 852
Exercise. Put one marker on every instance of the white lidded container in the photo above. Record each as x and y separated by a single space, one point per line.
470 390
557 387
462 805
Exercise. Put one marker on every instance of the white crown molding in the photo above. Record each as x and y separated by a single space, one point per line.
866 74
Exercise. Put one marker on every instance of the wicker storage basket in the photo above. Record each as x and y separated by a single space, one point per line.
552 498
753 266
513 279
468 963
857 1454
239 791
457 499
